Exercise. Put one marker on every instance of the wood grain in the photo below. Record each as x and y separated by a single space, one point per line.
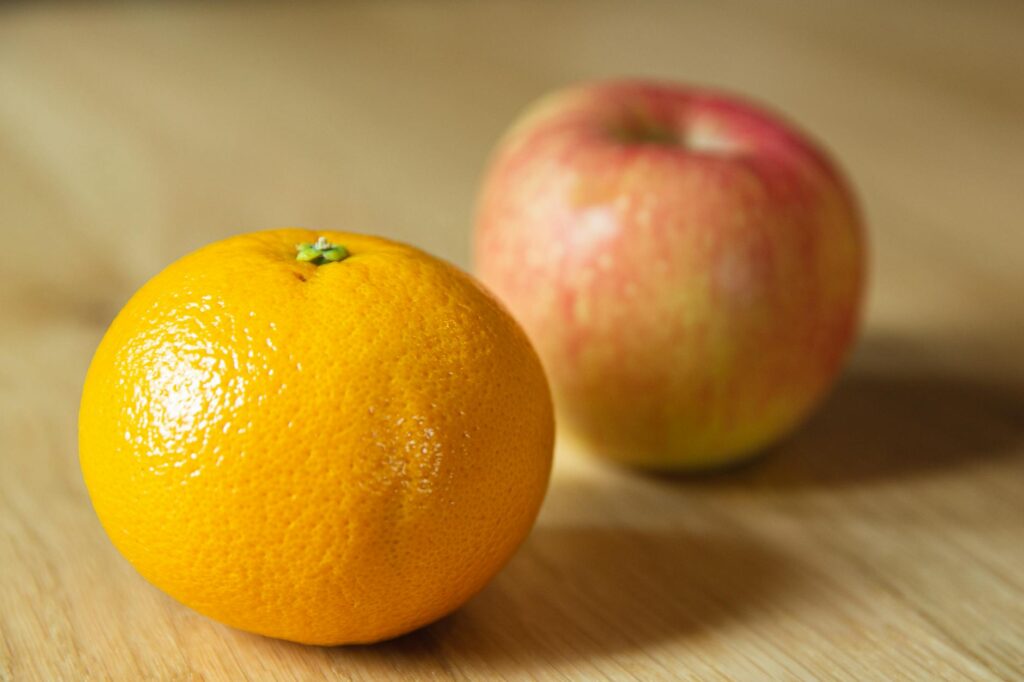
884 541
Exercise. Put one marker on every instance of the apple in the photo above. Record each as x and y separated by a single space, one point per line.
689 265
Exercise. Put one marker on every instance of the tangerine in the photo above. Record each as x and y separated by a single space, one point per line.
332 446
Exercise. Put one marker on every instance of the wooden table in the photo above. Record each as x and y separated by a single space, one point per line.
883 541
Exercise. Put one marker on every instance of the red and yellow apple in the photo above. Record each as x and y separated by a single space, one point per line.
689 265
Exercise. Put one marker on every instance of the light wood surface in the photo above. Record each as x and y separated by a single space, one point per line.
884 541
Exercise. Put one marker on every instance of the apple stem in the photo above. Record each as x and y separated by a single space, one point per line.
320 252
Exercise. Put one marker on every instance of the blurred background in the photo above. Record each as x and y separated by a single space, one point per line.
133 133
153 128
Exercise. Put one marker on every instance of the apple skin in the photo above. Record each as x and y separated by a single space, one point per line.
690 267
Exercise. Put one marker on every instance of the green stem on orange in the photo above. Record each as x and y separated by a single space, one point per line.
320 252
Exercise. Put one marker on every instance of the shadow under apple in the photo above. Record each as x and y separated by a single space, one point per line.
895 414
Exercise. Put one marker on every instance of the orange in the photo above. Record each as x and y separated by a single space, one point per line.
334 450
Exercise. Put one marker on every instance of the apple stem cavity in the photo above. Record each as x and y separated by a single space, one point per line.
642 129
320 252
647 135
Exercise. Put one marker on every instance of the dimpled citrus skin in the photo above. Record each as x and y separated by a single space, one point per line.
328 454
